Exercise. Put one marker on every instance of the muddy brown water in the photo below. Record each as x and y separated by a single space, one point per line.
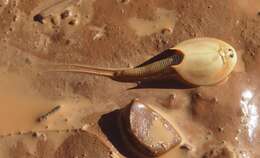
114 33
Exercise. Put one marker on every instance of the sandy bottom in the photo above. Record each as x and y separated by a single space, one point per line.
219 121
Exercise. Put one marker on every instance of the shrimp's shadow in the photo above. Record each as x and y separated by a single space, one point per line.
163 84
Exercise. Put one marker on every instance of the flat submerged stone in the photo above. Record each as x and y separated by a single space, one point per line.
147 130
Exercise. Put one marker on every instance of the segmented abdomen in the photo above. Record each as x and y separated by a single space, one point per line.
151 69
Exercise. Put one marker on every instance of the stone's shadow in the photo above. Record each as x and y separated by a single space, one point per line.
109 124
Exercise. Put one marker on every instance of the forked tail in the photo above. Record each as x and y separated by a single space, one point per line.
76 68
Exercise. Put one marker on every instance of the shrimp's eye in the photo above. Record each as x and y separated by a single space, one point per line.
230 52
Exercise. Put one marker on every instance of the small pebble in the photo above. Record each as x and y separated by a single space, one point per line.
20 133
167 30
65 14
66 120
221 129
171 102
85 155
129 65
123 1
67 42
85 127
36 134
186 147
44 137
196 95
38 18
147 130
215 100
39 135
11 29
73 22
28 61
